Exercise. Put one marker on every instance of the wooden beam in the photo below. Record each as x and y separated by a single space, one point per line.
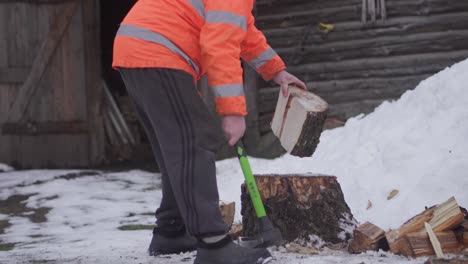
94 89
41 128
48 48
13 75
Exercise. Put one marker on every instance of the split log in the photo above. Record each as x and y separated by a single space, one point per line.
420 245
462 234
298 121
434 241
465 239
443 217
300 206
227 212
368 237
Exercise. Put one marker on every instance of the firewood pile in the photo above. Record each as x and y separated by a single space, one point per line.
436 231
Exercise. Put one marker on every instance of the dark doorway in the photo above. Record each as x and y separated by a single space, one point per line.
112 13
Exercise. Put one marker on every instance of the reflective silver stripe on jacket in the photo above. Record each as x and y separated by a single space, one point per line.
263 58
228 90
198 6
226 17
151 36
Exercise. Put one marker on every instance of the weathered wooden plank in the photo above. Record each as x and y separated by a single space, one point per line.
377 47
41 61
341 91
35 128
3 38
50 151
7 94
21 34
13 75
353 30
378 63
310 17
352 12
278 7
424 7
378 73
73 103
93 73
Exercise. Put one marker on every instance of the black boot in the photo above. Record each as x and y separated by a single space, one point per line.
228 252
171 242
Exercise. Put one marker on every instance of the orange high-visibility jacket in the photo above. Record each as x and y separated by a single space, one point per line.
200 37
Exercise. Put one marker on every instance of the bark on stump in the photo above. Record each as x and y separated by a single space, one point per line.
300 206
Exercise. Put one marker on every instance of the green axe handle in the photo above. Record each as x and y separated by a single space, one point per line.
250 180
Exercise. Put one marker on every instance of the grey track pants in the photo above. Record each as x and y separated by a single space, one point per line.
184 137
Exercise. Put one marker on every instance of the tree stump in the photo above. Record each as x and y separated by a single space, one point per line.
300 205
298 121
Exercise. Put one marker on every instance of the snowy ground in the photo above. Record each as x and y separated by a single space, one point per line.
86 211
416 145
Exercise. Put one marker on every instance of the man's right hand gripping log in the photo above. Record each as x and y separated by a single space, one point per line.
162 47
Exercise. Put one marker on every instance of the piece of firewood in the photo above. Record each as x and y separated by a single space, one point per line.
298 121
227 212
419 244
434 241
300 205
445 216
461 233
236 231
367 237
465 239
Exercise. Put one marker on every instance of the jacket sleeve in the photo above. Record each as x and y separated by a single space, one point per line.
258 54
220 41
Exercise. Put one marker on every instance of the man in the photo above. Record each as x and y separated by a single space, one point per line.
161 49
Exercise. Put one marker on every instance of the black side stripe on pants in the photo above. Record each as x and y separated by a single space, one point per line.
168 89
186 130
191 152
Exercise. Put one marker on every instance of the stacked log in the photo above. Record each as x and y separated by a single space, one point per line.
441 228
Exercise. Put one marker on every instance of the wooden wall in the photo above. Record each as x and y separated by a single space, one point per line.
49 80
356 66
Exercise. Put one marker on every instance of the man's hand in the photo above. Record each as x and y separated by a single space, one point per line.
233 127
284 79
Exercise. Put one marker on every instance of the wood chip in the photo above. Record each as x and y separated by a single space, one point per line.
295 248
392 194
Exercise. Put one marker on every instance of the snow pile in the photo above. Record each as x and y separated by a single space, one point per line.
416 145
5 168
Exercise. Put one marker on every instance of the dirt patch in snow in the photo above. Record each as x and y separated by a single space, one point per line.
15 205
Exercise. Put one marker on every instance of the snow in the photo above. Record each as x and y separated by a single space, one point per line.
4 167
87 211
415 145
